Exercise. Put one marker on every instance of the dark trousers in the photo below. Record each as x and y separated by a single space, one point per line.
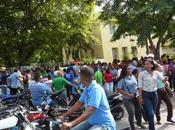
162 95
130 108
133 109
138 112
172 80
13 91
115 84
150 100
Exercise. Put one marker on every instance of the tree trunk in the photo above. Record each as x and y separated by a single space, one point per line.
157 52
147 47
22 58
24 55
153 48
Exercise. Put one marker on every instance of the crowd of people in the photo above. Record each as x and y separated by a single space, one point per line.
143 84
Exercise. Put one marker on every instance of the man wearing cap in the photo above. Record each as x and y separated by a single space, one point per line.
97 115
150 56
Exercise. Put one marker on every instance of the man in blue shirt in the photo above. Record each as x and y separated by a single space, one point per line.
40 92
70 78
97 114
15 82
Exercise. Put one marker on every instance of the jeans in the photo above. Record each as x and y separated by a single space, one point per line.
115 85
69 93
86 126
162 94
130 108
108 87
150 100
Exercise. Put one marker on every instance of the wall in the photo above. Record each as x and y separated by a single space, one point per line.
106 36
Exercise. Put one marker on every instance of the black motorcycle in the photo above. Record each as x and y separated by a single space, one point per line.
115 103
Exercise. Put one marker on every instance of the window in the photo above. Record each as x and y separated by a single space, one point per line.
134 52
111 28
115 53
125 54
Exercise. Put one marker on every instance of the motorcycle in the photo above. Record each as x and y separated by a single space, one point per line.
14 117
115 103
64 106
18 118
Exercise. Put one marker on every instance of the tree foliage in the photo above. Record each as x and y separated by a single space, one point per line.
37 30
146 19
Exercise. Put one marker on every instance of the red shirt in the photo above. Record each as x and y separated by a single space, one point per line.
108 77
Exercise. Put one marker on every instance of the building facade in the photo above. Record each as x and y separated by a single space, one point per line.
124 48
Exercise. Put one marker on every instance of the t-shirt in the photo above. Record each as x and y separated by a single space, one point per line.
98 77
160 84
77 85
39 93
129 85
49 83
59 83
15 82
108 77
69 77
114 73
94 96
149 82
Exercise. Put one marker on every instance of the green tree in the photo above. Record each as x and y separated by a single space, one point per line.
24 28
80 29
37 30
148 20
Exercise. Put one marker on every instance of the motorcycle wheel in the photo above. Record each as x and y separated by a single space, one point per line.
118 113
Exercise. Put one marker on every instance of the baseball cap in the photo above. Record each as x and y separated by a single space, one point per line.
150 55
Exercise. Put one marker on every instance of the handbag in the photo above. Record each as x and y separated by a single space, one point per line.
135 100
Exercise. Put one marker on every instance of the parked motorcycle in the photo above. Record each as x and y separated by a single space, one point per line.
115 103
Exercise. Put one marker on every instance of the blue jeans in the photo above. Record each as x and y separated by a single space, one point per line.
150 100
86 126
108 87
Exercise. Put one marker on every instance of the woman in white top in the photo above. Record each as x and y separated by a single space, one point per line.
147 83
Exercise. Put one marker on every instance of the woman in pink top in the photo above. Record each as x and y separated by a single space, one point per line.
108 86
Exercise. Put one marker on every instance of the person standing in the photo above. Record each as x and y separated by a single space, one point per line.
108 86
114 77
15 82
127 86
98 76
69 76
147 83
59 85
162 95
3 82
40 92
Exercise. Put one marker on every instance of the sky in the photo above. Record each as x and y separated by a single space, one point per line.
98 9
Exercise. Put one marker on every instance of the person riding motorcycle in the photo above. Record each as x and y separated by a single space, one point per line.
40 92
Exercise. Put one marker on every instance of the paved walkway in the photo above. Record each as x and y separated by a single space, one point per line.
123 123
